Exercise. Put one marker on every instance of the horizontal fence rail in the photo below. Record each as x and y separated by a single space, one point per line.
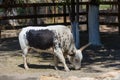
64 14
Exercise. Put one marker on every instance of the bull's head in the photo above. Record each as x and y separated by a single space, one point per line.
77 57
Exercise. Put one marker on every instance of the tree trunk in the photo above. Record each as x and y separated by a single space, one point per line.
77 42
93 24
12 22
10 12
75 23
71 10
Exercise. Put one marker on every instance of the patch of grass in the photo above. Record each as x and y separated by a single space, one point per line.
103 7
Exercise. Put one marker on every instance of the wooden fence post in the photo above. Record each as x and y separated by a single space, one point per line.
87 9
0 34
35 13
119 16
64 12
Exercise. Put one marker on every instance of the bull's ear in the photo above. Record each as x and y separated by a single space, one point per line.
85 46
72 54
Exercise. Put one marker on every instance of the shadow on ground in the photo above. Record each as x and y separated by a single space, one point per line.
10 44
108 55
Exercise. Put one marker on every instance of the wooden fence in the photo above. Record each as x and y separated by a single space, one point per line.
65 14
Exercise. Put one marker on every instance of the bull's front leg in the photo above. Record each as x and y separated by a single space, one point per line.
59 54
56 62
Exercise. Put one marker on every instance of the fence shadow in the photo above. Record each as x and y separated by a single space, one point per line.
10 44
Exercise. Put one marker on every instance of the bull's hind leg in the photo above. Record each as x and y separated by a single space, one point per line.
25 51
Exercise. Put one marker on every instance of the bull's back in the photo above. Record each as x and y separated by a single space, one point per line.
43 37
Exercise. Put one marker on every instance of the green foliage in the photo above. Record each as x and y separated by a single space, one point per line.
20 1
1 10
20 10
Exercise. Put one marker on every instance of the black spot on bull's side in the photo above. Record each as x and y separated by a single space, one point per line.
41 39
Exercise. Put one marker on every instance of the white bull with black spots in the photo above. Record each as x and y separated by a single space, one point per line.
58 37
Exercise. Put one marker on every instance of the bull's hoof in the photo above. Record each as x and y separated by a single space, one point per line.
26 67
56 68
67 70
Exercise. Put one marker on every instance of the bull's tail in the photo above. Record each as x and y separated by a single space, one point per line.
85 46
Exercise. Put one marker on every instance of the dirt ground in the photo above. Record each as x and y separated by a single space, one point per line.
96 60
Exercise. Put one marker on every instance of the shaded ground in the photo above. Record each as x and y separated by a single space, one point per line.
97 60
